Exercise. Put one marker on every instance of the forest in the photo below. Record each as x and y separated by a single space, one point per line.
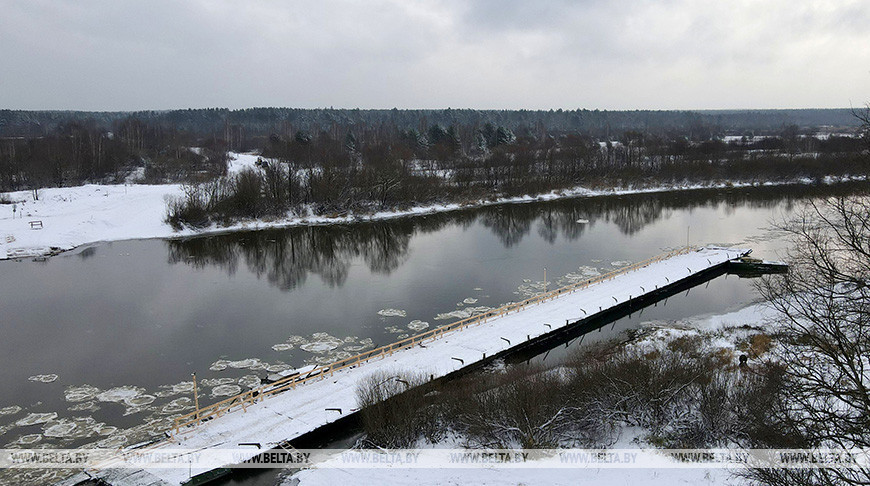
358 161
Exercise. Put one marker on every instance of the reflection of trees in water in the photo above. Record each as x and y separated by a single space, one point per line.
287 257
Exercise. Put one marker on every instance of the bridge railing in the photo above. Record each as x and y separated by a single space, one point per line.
243 400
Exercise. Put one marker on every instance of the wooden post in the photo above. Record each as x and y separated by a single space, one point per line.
196 398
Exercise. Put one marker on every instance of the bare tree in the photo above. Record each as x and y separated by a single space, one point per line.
824 303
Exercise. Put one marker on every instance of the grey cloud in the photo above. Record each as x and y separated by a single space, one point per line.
123 54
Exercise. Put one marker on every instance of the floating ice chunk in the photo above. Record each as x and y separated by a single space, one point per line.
320 347
463 313
29 439
321 342
36 418
183 387
621 263
140 401
402 336
417 325
226 390
105 430
244 363
249 381
113 441
478 289
595 261
177 405
362 345
120 394
394 330
10 410
219 365
80 393
392 313
62 428
217 381
90 406
278 367
296 340
43 378
282 347
470 300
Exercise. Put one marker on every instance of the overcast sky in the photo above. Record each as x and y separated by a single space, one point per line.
535 54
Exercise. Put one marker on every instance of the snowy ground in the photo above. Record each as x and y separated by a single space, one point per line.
81 215
512 477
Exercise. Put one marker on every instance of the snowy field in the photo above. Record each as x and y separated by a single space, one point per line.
81 215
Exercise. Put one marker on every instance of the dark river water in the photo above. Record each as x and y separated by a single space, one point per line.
123 325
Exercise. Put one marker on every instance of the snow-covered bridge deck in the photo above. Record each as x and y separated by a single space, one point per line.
289 409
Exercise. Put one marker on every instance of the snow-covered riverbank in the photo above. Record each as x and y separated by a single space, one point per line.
68 217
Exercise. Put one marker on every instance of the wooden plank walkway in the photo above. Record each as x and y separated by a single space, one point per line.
273 414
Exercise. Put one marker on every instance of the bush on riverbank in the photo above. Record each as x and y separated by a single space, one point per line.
685 395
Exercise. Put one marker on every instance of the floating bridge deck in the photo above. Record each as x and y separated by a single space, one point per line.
276 413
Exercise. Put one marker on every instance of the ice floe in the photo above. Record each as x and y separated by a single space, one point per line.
249 381
177 405
29 439
321 342
245 363
392 313
469 300
80 393
217 381
463 313
120 394
621 263
226 390
282 347
62 428
43 378
417 325
11 410
36 418
89 406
